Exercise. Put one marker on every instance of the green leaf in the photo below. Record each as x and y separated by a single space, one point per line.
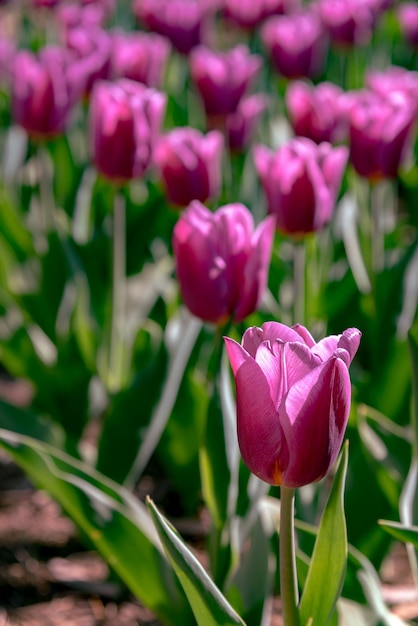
327 569
113 520
209 606
407 534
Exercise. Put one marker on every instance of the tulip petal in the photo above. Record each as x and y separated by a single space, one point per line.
270 331
313 416
350 341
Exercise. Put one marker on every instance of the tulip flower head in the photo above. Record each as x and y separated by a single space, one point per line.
297 44
393 78
301 181
125 121
407 14
293 400
249 14
190 164
349 22
92 48
380 129
222 78
242 125
139 56
317 112
222 261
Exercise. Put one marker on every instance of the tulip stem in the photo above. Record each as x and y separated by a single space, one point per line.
118 294
288 578
299 283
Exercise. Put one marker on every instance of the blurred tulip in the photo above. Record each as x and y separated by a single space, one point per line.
190 164
139 56
407 14
296 44
249 14
222 262
293 400
317 112
45 88
301 181
47 4
222 78
394 78
349 22
125 121
379 128
92 48
86 14
241 125
184 22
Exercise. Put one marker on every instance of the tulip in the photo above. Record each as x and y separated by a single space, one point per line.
393 78
380 130
139 56
125 121
296 44
301 181
293 400
407 14
92 48
349 22
45 88
184 22
222 78
222 262
241 125
249 14
87 14
190 164
317 112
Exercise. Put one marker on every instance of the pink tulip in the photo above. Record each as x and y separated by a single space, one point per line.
222 261
249 14
140 56
222 78
380 131
407 14
242 125
317 112
301 181
92 47
125 121
349 22
297 44
190 164
45 88
293 400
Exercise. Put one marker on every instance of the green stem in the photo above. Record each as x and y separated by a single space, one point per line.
288 579
299 283
118 295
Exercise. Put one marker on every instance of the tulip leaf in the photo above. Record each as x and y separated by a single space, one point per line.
407 534
115 522
328 564
209 606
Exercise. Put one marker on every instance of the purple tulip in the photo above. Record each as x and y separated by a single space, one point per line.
85 14
293 400
184 22
125 121
44 90
407 14
241 125
317 112
190 164
222 78
249 14
296 44
394 78
140 56
301 181
380 130
349 22
222 262
92 48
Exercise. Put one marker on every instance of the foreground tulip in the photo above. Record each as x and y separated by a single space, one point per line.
301 181
125 121
380 130
222 261
317 112
190 164
293 400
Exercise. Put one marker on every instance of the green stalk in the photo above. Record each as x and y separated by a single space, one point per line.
288 578
299 253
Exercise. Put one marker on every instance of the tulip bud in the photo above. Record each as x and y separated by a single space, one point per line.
296 44
380 129
222 78
222 262
139 56
241 125
301 181
293 400
44 90
125 121
317 112
190 164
